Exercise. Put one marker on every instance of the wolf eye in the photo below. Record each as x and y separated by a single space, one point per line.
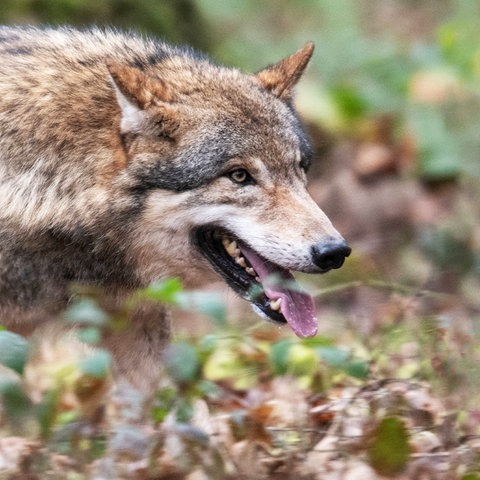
240 175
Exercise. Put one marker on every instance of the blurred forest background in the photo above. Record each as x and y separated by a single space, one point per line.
391 386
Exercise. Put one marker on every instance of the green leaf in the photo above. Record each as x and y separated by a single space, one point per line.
86 311
184 410
207 344
389 451
165 291
302 361
47 411
223 363
279 356
227 364
357 369
208 389
96 365
15 403
181 362
13 351
342 359
255 291
165 399
90 335
208 303
336 357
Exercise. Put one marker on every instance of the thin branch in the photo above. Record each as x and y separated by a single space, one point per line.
381 284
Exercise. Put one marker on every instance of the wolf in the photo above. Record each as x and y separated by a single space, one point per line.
124 160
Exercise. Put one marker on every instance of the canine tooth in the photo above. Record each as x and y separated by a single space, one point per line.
251 271
231 248
241 261
275 304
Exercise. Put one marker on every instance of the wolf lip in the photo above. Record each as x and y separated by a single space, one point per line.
269 287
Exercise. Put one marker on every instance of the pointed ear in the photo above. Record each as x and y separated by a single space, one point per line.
281 77
136 92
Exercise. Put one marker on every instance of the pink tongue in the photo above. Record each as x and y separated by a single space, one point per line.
297 306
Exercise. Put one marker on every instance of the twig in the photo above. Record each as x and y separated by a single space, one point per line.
380 284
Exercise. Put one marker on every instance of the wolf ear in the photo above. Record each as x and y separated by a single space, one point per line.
281 77
136 92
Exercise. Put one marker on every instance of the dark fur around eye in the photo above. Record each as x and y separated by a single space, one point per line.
305 161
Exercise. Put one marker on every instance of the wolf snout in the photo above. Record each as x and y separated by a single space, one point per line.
330 254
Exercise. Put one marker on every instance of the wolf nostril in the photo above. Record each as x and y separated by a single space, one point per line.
330 255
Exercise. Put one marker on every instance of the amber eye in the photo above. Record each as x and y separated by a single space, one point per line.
239 176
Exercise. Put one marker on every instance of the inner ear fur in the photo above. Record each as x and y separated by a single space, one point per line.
281 77
137 86
144 101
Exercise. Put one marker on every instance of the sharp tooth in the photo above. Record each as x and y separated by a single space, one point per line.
241 261
231 248
275 304
251 271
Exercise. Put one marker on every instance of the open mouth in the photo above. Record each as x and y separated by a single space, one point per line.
270 288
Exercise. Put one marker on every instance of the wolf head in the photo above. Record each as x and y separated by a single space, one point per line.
222 159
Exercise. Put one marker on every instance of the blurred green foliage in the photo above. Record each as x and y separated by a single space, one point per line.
193 366
13 351
170 292
178 21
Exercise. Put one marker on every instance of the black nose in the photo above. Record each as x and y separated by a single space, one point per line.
331 254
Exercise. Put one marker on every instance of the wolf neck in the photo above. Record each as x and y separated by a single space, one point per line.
42 265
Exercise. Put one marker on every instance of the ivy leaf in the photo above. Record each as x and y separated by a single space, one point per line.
342 359
181 362
87 312
302 364
96 365
165 291
357 369
336 357
226 363
16 405
164 402
389 451
47 411
208 303
170 292
13 351
90 335
279 356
